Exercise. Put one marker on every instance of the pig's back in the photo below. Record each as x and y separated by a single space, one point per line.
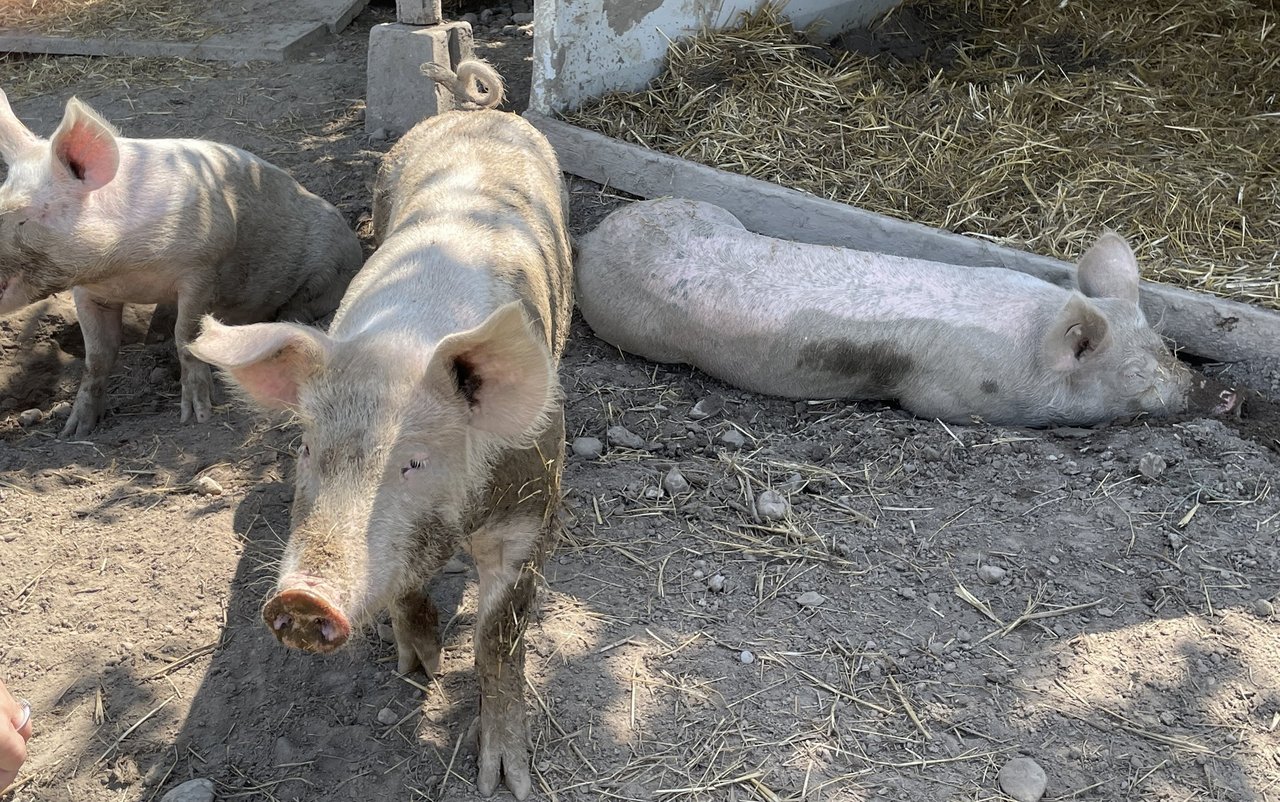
491 180
682 281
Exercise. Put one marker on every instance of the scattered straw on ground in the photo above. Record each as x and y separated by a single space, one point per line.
173 20
1031 124
24 76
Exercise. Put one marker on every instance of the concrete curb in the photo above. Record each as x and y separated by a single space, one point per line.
1204 325
279 42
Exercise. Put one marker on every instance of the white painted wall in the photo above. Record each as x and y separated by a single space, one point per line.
585 48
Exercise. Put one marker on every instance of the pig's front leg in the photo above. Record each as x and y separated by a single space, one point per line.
100 323
416 625
197 377
506 594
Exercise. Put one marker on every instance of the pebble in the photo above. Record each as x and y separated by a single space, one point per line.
522 19
1152 465
587 447
386 634
772 505
30 417
732 438
746 657
716 583
622 436
1264 608
191 791
454 566
62 409
810 599
1023 779
674 483
159 375
991 574
387 716
207 486
706 407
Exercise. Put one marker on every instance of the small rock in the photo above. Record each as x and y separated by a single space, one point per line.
387 716
190 791
207 486
622 436
159 375
386 634
521 19
470 19
1152 465
1023 779
62 409
1264 608
454 566
705 408
674 483
746 657
30 417
716 583
732 438
772 505
588 447
991 574
810 599
486 15
698 573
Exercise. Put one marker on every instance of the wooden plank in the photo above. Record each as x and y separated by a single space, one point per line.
1203 325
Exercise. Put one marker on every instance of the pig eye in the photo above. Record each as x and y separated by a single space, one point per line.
414 464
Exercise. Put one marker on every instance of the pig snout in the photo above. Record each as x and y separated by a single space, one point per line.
1208 396
302 618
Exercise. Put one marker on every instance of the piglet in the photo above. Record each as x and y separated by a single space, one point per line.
431 412
684 282
186 223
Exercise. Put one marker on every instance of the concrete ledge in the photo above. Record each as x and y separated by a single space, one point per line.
1204 325
398 94
271 42
337 14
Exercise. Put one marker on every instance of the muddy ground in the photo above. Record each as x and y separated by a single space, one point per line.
939 599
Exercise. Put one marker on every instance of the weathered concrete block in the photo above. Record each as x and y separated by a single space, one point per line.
418 12
398 94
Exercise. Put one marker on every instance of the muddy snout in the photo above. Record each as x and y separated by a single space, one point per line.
1212 397
303 619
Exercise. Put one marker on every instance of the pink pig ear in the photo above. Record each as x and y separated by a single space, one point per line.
14 136
269 361
1109 269
502 370
1077 335
85 146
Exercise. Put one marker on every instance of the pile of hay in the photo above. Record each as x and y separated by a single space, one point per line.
172 20
1034 124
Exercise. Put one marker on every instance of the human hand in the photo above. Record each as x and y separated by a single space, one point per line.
15 729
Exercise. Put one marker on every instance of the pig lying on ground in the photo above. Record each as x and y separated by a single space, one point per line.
682 281
431 411
202 225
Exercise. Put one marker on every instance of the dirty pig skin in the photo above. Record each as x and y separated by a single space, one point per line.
200 225
683 281
431 411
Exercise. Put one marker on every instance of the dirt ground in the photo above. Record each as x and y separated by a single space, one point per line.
937 601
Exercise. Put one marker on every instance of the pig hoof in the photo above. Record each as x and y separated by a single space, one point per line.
303 620
498 761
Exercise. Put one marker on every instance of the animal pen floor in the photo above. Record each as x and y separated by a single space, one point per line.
939 600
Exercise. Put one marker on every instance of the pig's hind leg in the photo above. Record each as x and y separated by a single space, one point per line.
100 323
417 629
506 596
197 377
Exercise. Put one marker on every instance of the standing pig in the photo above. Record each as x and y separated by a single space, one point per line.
432 416
682 281
202 225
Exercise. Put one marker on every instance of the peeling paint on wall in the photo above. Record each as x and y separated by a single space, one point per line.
622 15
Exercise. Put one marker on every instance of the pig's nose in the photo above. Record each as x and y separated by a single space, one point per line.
305 620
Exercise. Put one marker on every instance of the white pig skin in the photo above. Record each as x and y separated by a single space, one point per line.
198 225
682 281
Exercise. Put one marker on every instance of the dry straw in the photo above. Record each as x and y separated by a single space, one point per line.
1034 124
173 20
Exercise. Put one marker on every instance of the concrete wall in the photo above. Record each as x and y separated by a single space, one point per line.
584 48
